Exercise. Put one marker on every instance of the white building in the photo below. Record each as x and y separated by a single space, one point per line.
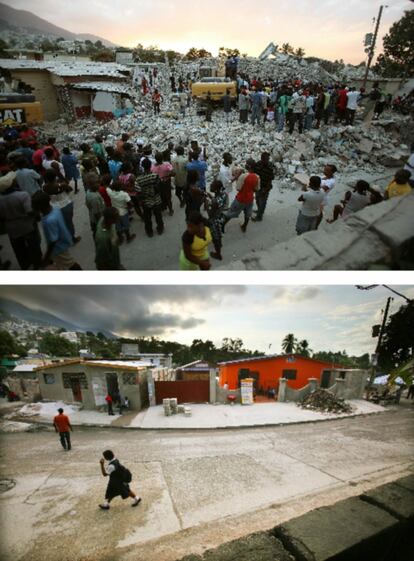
70 336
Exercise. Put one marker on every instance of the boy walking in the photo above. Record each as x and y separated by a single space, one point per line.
119 478
62 426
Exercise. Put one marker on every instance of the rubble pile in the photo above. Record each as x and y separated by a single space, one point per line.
285 67
325 402
350 148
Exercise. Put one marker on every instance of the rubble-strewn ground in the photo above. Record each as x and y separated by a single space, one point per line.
197 491
358 152
326 402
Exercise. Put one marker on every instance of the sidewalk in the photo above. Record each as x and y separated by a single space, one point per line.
203 416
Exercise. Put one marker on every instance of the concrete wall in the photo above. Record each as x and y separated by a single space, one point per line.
380 235
26 387
104 101
40 81
93 395
389 86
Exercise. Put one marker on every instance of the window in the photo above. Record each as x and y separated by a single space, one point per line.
130 378
49 378
289 374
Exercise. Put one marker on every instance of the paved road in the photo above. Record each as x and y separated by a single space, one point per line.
199 489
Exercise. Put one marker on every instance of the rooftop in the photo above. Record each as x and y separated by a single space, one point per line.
111 87
273 357
68 68
118 365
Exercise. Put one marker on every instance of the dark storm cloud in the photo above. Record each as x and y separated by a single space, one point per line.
124 309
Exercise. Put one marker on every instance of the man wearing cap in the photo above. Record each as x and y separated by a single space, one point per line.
19 222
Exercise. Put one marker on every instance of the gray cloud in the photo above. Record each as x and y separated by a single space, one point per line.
124 309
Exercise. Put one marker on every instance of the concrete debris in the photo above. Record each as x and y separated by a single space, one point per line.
326 402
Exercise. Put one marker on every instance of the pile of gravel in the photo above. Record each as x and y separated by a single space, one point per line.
325 402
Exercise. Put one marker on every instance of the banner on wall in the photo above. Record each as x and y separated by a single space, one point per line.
247 391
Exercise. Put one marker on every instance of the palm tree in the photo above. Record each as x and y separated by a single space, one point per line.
302 348
289 343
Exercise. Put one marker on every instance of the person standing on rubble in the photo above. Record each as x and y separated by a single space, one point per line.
283 108
226 99
352 105
243 105
256 99
156 101
298 107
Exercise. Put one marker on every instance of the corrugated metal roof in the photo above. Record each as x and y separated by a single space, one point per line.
66 68
111 87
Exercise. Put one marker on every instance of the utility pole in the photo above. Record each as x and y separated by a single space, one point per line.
373 45
381 336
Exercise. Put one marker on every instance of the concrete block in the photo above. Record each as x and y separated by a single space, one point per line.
345 530
406 482
397 228
365 251
298 254
366 145
393 498
301 178
257 547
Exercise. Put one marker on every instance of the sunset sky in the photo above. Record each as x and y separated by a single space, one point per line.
330 29
329 317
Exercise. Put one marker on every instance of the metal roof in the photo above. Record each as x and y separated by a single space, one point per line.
110 87
272 357
68 68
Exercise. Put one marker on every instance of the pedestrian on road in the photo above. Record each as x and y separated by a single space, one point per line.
109 401
119 479
62 426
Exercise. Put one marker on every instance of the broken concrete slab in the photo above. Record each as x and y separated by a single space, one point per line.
386 230
335 532
302 178
406 482
393 498
366 146
394 160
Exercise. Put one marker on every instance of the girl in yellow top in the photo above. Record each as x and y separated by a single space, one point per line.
195 256
399 186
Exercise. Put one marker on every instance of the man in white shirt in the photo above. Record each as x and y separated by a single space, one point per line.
311 209
226 175
352 105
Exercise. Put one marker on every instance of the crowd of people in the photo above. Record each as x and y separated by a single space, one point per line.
130 181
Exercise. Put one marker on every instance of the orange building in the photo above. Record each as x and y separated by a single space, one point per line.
267 370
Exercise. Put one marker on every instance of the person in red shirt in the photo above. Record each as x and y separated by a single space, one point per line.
109 401
51 144
62 426
156 101
37 159
247 185
106 181
28 134
341 105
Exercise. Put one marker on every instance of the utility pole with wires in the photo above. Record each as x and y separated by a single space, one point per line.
371 50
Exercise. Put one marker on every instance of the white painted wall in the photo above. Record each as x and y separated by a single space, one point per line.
104 101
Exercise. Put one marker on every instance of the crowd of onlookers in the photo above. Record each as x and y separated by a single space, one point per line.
39 182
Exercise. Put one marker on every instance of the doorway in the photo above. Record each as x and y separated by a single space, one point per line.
326 378
76 389
112 385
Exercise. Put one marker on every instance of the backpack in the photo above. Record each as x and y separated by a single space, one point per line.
124 472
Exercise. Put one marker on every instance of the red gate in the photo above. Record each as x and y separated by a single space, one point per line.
194 391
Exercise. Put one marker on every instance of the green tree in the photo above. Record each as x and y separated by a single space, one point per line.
302 348
398 57
103 56
398 342
289 343
300 53
225 52
10 346
98 44
194 54
55 345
